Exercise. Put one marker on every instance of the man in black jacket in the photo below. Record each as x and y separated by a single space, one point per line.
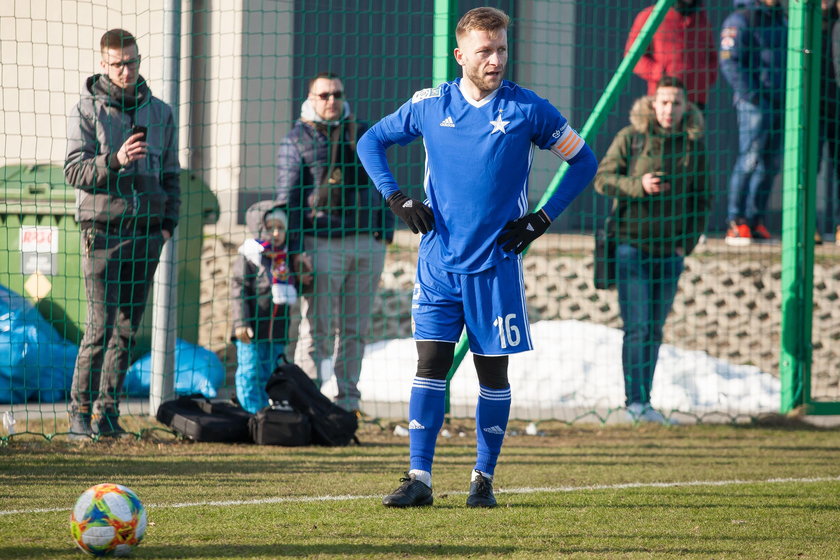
338 228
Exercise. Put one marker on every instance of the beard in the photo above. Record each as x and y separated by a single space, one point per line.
483 82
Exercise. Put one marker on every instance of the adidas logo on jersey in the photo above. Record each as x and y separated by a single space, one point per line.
415 425
448 122
495 430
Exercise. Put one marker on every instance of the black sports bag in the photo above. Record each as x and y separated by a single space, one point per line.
280 425
200 419
331 424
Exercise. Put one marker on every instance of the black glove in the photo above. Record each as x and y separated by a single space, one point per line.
414 213
518 234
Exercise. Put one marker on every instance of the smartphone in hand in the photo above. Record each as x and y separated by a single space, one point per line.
141 130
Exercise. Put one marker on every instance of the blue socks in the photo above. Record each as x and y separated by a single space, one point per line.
425 414
425 418
491 418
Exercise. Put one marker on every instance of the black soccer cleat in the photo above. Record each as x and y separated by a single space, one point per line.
411 493
481 493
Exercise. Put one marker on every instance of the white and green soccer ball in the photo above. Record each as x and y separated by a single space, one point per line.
108 519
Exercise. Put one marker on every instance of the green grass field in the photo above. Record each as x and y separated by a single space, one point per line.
578 492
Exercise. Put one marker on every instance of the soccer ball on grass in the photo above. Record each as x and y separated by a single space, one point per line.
108 519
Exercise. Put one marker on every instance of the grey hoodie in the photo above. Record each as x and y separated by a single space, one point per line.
146 192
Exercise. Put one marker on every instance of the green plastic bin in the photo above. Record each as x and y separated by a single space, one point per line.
40 249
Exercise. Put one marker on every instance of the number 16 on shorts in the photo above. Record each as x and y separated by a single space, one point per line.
508 331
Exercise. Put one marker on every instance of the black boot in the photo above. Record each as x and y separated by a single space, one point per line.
411 493
481 493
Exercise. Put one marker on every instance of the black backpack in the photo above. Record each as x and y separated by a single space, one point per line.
331 424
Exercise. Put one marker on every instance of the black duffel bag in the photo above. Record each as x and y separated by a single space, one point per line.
280 424
200 419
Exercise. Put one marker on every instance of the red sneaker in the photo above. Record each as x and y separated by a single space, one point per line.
761 234
738 235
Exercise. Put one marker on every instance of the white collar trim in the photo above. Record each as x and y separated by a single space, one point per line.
482 102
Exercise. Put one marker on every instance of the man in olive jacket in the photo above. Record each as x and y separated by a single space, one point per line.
655 170
122 158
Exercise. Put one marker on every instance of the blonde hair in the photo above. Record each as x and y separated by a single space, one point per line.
483 19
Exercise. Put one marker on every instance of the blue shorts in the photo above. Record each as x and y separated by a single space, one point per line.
490 304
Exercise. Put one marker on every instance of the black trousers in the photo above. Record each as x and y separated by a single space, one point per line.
118 266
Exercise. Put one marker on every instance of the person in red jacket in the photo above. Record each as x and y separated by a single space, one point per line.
682 47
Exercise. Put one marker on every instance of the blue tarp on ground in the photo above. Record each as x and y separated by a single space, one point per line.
197 370
36 363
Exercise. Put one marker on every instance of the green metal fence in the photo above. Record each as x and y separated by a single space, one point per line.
753 329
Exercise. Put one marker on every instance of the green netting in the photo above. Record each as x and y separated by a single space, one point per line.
245 70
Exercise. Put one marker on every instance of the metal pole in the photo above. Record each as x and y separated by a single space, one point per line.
590 128
164 311
443 70
801 158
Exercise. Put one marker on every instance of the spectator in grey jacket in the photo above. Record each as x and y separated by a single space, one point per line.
338 226
122 158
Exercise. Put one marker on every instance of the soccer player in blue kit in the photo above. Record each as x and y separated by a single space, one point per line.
479 132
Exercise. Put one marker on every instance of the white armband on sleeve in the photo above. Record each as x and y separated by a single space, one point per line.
568 145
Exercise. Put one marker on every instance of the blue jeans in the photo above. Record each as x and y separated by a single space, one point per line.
647 286
759 160
255 361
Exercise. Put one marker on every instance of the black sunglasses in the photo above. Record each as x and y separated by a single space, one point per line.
326 95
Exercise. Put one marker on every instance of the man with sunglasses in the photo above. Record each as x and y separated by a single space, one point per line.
122 158
338 228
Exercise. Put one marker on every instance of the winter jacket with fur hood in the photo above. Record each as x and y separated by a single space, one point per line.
251 281
146 193
660 224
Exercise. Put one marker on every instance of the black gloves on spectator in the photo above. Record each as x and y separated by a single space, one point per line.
414 213
518 234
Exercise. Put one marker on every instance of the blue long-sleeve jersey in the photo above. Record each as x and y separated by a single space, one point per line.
478 159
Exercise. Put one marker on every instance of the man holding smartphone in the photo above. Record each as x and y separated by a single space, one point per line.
655 171
122 158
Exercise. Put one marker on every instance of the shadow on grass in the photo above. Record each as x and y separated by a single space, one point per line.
343 550
347 550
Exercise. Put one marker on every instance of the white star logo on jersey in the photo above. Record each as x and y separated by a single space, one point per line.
499 124
448 122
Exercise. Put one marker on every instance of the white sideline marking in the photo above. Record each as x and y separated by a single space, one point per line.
535 490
